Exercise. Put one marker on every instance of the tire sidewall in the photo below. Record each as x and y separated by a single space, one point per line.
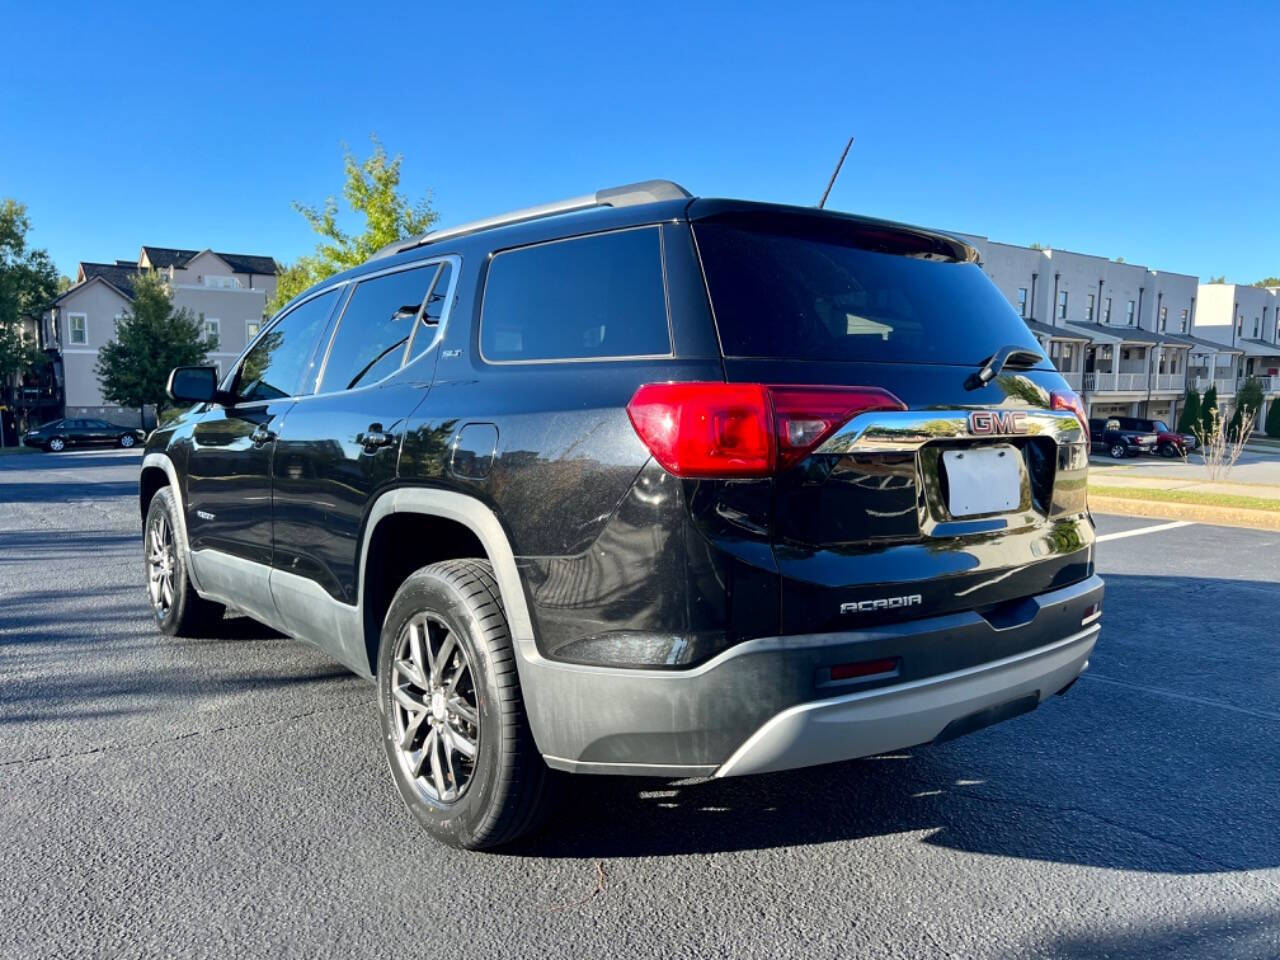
1118 456
56 445
461 822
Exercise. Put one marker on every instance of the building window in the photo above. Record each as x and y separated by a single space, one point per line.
1088 309
77 329
1128 313
209 327
1062 304
1239 324
222 283
1184 319
1255 328
251 329
1164 318
1106 310
1022 301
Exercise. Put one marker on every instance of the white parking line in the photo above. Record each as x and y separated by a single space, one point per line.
1156 528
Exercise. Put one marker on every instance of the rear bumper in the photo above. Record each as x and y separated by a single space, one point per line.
761 706
891 718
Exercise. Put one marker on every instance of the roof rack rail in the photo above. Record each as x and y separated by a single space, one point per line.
628 195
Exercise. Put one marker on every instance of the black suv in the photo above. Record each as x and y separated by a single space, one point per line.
641 484
1111 434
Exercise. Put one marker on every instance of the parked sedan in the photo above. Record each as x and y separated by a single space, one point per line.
1110 435
61 434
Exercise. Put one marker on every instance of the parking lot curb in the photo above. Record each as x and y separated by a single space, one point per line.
1221 516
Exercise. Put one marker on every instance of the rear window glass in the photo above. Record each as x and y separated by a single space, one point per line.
587 298
803 289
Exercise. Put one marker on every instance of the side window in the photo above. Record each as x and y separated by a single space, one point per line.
435 310
279 363
374 331
587 298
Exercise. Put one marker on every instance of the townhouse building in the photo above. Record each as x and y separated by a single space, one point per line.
227 292
1131 339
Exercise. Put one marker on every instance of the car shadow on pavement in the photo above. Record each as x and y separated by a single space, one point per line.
1223 936
1161 759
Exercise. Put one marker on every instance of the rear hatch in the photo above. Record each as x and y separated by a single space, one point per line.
968 495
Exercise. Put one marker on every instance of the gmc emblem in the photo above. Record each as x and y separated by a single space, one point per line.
988 422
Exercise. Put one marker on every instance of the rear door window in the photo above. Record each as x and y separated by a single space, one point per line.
373 334
811 288
587 298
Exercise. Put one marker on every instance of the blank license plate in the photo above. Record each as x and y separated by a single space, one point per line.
983 480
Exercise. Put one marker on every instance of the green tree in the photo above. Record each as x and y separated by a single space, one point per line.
1189 420
1222 278
1273 419
1208 412
372 190
28 281
1248 403
1267 282
151 339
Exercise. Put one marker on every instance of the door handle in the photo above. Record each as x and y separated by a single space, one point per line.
375 439
261 436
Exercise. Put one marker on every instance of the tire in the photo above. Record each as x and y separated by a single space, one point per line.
56 445
178 610
127 440
1119 451
462 681
1167 450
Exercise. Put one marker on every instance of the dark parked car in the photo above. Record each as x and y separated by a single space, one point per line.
641 484
1169 443
61 434
1107 434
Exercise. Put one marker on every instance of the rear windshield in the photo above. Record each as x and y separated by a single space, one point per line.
808 289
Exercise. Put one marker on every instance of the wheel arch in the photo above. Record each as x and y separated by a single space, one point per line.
410 527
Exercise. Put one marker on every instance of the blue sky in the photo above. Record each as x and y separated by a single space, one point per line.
1146 131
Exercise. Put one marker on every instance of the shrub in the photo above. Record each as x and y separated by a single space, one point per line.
1189 420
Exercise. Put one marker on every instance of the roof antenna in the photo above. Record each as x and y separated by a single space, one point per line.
834 173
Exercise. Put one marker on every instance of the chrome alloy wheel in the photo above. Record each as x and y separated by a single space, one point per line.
437 722
161 564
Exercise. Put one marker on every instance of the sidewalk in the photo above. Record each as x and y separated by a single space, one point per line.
1224 502
1264 491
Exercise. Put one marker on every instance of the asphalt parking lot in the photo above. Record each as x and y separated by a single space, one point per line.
228 796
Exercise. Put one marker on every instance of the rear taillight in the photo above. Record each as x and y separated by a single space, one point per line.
1070 400
743 429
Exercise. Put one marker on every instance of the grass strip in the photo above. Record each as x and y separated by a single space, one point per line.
1187 496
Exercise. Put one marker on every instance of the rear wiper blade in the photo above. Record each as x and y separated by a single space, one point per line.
1019 355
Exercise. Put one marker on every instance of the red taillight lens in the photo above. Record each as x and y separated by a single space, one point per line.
805 416
743 429
1070 400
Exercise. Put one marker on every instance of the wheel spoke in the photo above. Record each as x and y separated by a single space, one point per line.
447 742
410 670
168 591
463 710
428 745
462 744
419 656
407 699
412 728
442 658
437 772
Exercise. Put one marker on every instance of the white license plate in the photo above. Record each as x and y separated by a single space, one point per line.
983 480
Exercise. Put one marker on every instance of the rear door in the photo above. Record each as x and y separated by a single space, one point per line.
968 496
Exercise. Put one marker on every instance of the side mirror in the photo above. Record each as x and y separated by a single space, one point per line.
193 384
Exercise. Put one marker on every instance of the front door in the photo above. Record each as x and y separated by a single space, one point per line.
229 469
339 448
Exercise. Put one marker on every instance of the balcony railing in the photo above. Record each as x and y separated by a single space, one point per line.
1270 384
1226 386
1073 378
1169 381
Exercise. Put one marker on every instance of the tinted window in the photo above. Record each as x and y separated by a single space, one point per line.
375 327
435 311
589 297
281 360
807 288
